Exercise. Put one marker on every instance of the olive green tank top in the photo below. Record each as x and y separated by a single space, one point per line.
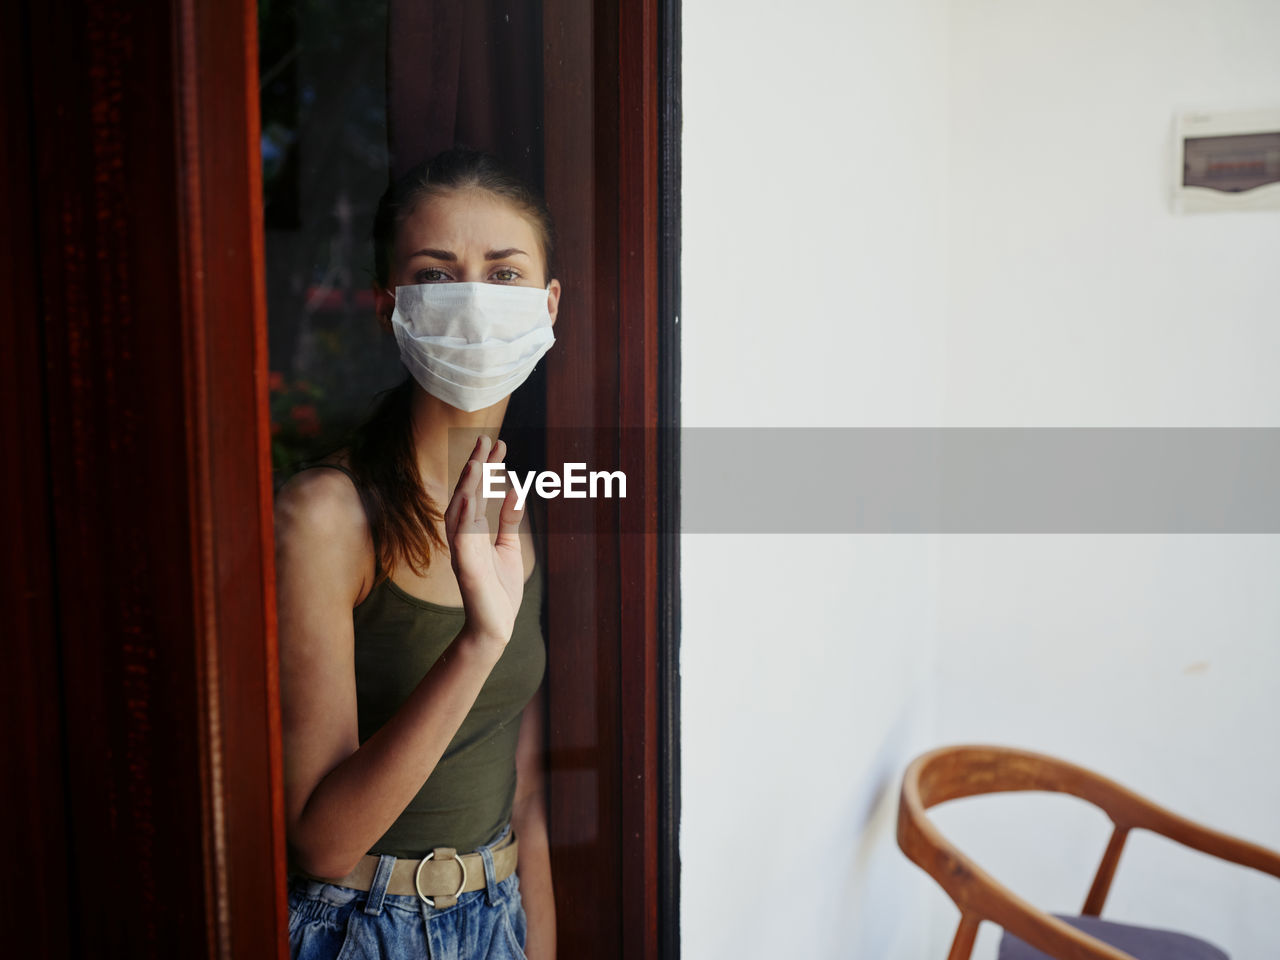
468 798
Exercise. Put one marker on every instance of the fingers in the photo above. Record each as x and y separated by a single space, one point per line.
467 507
508 517
476 512
463 491
469 493
454 513
482 454
509 521
485 451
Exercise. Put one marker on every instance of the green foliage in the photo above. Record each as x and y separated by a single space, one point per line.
295 419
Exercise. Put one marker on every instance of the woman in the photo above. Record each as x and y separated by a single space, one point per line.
412 733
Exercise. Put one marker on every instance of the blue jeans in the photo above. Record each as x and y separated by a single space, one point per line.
328 922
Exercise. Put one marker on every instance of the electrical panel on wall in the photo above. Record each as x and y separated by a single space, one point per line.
1227 161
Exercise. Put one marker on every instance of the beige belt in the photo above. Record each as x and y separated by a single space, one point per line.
439 877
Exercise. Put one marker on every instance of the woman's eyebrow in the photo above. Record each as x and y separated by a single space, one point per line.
437 254
503 254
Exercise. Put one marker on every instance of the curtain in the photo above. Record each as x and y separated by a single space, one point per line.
465 73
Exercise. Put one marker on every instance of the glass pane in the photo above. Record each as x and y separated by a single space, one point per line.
324 153
470 77
353 94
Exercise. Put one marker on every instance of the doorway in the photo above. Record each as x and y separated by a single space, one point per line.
141 568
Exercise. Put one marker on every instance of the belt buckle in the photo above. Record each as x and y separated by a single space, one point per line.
417 874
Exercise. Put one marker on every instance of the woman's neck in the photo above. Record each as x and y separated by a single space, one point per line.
443 437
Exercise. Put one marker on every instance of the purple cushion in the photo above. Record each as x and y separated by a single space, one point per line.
1145 943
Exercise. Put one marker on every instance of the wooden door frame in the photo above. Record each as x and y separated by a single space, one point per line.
140 577
611 120
669 518
144 357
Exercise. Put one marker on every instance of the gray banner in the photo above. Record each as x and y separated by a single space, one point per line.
927 480
981 480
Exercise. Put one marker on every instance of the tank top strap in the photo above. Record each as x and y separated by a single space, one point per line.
377 563
333 466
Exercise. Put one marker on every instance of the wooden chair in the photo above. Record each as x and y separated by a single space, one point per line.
950 773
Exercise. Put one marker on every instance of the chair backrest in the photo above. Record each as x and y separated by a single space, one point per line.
950 773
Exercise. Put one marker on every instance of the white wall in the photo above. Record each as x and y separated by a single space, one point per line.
808 300
906 214
1077 298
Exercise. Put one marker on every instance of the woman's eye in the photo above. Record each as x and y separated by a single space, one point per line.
506 275
431 275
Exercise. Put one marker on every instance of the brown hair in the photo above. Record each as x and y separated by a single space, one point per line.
402 516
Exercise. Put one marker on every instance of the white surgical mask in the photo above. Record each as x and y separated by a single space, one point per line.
471 344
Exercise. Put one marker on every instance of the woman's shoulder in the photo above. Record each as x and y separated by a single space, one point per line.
321 501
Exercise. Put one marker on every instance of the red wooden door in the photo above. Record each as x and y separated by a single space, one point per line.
138 567
601 104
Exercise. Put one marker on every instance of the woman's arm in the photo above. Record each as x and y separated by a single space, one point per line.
529 821
341 795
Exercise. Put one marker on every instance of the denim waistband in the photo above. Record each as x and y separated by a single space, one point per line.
377 896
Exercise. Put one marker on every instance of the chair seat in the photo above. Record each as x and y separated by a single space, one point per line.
1145 943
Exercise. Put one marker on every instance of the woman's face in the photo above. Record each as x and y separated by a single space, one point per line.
467 236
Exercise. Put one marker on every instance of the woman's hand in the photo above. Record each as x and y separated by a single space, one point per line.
490 574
